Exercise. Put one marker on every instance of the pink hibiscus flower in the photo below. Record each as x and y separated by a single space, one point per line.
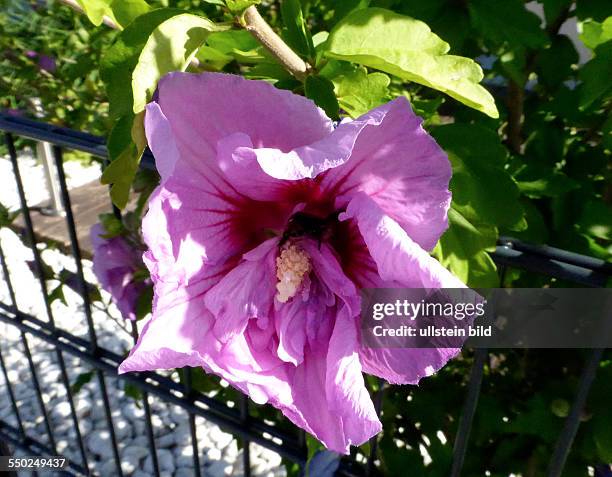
116 264
267 223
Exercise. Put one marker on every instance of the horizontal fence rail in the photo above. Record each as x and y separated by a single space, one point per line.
510 253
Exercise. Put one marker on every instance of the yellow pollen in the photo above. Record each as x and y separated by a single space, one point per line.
291 266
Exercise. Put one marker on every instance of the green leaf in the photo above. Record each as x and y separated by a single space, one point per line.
119 62
555 63
96 10
463 250
602 434
296 33
170 47
58 294
81 380
485 197
407 48
132 391
450 20
539 181
126 11
595 76
123 12
606 131
560 407
507 21
6 216
553 8
321 91
537 230
125 147
481 188
238 6
120 173
313 446
344 7
112 225
356 90
595 33
596 220
596 9
144 303
225 46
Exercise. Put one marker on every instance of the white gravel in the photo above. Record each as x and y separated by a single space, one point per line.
219 453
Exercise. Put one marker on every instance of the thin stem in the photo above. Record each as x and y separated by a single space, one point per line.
254 23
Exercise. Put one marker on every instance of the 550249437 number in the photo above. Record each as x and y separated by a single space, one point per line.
32 463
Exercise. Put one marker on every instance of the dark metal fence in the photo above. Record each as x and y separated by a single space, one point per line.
238 421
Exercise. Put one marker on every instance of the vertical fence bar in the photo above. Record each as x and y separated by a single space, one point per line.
471 402
378 402
147 410
9 387
38 392
469 410
7 280
76 253
39 269
570 427
43 286
192 428
246 451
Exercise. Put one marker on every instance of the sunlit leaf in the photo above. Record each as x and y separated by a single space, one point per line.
595 76
125 147
224 46
407 48
356 90
238 6
123 12
170 47
119 62
595 33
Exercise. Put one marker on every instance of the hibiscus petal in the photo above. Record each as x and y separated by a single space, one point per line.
244 293
315 407
160 140
346 392
176 334
314 158
385 153
207 217
239 164
401 167
313 394
291 321
205 108
401 260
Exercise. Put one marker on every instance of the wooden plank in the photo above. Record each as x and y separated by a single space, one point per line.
88 201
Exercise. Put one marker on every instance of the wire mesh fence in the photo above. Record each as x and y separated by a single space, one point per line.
237 419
